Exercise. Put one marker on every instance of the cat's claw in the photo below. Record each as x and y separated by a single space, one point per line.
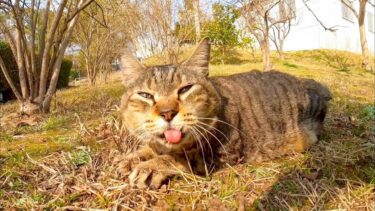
125 165
148 175
128 162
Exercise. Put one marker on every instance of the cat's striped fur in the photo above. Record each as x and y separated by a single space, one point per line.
249 117
275 113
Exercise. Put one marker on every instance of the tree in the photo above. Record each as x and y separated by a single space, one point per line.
197 23
151 28
360 15
187 30
100 34
280 31
192 8
221 30
189 22
259 21
38 35
160 28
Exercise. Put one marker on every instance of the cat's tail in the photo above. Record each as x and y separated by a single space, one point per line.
319 96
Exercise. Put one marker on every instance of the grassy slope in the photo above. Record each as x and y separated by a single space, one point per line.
337 173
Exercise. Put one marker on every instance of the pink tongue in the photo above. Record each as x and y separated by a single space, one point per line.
173 136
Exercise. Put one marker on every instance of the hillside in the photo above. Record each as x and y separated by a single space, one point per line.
67 161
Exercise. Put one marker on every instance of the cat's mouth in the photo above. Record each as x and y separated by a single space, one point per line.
172 136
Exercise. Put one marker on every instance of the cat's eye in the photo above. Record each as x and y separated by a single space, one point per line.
185 89
146 95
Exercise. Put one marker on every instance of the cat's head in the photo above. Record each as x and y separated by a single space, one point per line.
171 105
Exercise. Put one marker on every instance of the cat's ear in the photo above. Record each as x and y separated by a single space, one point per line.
200 59
131 68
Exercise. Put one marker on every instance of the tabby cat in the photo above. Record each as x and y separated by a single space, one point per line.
189 122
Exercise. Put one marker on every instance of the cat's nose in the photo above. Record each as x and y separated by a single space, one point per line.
168 114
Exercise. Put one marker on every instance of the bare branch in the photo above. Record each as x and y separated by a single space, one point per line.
43 31
22 45
104 24
279 21
34 19
350 6
80 8
331 29
5 3
10 80
9 37
272 6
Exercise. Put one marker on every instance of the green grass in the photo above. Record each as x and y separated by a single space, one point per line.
336 173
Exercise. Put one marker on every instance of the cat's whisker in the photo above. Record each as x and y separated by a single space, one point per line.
139 134
209 145
134 132
224 122
221 121
137 129
202 150
205 138
204 134
215 137
210 126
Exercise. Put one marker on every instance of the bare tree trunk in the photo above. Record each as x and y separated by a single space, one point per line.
197 24
90 69
42 38
362 35
259 22
266 53
21 67
91 81
10 81
362 29
222 55
266 44
281 50
47 51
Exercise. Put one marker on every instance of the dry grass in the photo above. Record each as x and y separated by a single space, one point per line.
70 160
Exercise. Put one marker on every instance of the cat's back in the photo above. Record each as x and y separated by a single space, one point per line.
266 88
272 109
255 78
272 90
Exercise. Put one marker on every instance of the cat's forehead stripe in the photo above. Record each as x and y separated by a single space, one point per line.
171 72
157 74
164 73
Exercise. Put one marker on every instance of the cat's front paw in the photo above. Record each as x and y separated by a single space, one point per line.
152 173
125 163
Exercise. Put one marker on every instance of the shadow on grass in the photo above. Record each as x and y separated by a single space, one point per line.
339 173
322 186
